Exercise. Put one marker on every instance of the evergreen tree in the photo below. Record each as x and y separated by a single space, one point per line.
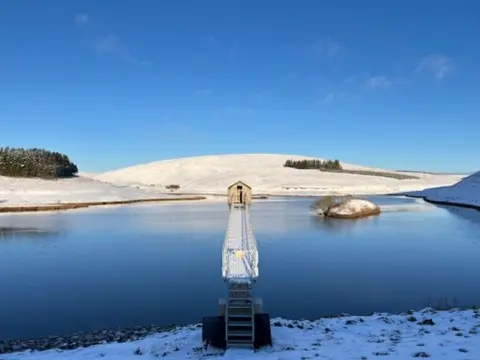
314 164
31 163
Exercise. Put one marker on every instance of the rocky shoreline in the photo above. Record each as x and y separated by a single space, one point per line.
84 339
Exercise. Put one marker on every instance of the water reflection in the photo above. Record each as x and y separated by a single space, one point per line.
472 216
332 225
130 265
25 233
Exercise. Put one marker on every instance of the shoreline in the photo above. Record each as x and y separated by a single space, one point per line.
444 203
83 205
419 320
182 198
86 339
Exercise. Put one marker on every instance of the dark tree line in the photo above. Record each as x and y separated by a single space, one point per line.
35 163
314 164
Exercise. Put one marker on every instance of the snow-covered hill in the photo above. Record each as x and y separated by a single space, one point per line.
266 174
466 191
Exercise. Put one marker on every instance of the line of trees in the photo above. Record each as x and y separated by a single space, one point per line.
314 164
35 163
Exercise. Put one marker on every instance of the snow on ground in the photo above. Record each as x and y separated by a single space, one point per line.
208 175
466 191
19 191
266 174
439 335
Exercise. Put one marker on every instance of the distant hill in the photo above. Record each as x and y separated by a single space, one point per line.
267 173
35 163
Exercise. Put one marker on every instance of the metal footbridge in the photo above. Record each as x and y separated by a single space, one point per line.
241 323
239 254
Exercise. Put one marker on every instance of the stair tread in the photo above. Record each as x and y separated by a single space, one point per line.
240 344
241 323
240 333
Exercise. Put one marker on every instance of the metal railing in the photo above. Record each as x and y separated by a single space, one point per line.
247 243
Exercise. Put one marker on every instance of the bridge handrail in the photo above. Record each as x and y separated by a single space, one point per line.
248 244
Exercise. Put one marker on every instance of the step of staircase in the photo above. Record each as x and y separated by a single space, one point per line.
239 317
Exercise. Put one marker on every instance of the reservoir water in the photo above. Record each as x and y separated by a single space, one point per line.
160 264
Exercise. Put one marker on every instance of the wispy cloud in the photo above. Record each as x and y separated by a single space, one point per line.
109 44
329 98
81 19
326 47
375 82
112 45
210 41
438 65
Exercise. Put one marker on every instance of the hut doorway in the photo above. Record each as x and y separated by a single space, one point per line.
240 194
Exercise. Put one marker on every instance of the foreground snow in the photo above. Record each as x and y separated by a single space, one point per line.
466 191
18 192
266 174
438 335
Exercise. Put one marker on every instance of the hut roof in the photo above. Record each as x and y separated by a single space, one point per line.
240 183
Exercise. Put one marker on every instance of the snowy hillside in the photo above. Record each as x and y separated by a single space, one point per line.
466 191
266 174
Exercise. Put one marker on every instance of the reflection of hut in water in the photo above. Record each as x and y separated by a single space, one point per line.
239 194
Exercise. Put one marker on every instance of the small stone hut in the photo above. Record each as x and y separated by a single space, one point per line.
239 193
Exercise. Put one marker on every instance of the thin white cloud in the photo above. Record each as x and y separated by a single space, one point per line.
438 65
112 45
210 41
329 98
375 82
81 19
105 45
332 97
326 47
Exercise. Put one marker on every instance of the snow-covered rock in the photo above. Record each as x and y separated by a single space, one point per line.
352 208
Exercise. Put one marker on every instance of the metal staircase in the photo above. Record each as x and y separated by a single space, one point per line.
240 317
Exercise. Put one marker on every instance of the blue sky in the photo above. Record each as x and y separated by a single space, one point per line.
115 83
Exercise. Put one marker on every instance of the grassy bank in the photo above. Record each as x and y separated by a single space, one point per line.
81 205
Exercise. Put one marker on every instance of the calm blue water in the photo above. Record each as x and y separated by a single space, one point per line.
160 264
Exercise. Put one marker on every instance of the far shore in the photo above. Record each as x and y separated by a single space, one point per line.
199 197
82 205
444 203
